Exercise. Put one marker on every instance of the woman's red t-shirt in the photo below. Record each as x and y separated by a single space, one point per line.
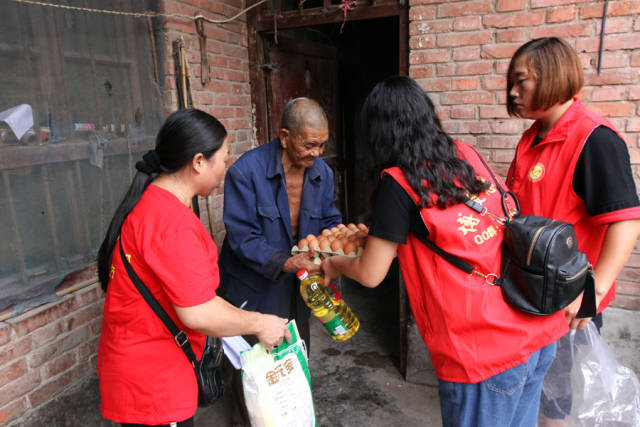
144 376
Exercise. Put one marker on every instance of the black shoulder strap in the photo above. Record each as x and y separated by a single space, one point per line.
180 336
452 259
505 194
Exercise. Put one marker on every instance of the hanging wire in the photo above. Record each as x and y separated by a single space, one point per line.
141 14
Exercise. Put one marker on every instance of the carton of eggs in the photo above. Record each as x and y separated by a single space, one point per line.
340 240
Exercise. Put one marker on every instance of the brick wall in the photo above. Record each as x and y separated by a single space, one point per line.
47 351
460 51
228 95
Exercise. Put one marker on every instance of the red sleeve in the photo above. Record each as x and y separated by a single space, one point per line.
187 264
617 216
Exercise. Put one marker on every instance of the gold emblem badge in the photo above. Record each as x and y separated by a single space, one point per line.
536 173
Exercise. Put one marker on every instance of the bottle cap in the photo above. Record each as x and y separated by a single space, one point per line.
302 274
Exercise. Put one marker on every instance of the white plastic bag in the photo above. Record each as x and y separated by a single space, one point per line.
603 392
277 385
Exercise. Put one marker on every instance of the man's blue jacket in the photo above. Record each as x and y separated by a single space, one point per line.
258 225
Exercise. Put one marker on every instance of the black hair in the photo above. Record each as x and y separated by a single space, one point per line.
184 134
399 122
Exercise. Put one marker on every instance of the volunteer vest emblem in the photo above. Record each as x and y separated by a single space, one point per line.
536 173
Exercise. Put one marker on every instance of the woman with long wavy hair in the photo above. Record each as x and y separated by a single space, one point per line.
489 358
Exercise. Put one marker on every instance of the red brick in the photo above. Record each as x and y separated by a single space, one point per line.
440 55
561 14
48 333
74 338
421 71
42 354
13 410
458 98
436 84
445 69
627 288
494 82
469 68
418 28
463 112
5 334
48 390
608 94
588 45
451 9
499 50
467 23
508 36
463 39
466 53
612 77
635 58
422 13
493 112
617 25
622 41
512 126
464 126
634 93
15 349
615 8
19 387
33 319
563 30
497 141
510 5
422 42
465 83
57 366
503 156
510 20
553 3
11 372
502 66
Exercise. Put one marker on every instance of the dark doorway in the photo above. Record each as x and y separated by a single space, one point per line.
337 67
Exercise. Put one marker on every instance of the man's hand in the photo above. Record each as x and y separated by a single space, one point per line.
301 260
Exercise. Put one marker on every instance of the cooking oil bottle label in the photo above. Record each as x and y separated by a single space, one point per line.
335 326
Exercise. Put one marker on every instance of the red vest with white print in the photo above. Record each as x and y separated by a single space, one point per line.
542 179
471 332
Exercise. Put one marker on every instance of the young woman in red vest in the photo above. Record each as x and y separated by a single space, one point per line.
145 378
489 358
571 165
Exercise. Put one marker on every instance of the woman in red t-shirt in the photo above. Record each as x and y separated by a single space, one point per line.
145 378
489 358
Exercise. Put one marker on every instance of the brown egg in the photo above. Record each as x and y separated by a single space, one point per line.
350 248
336 245
326 232
342 227
303 244
310 236
313 243
335 230
363 228
352 227
324 244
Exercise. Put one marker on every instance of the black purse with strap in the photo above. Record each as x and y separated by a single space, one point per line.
542 269
208 369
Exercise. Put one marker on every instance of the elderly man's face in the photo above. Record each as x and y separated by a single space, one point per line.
302 148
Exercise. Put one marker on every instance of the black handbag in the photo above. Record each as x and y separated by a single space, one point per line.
542 269
209 368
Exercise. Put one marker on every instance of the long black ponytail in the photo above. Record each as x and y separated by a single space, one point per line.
184 134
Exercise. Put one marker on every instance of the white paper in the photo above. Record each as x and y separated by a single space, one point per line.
233 346
19 119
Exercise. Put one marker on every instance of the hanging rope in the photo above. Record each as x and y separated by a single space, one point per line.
346 6
141 14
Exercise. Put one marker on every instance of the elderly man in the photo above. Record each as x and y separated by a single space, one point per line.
273 195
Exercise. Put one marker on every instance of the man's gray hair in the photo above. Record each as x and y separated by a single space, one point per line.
301 112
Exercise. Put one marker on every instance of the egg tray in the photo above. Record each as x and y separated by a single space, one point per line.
326 253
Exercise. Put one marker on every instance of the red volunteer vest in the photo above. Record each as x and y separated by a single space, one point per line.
542 177
471 332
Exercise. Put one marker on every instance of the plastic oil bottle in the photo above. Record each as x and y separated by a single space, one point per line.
335 315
